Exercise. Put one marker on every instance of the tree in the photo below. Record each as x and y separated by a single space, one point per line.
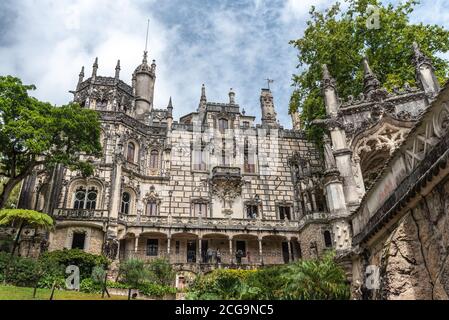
35 134
22 218
319 279
162 272
134 273
340 39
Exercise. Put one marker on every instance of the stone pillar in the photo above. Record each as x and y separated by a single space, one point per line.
136 245
200 258
230 251
168 247
290 256
260 251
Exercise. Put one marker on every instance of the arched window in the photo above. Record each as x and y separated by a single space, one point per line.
249 163
223 125
126 202
85 199
154 159
152 208
80 198
101 104
91 201
327 239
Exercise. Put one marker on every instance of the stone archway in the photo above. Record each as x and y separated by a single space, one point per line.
373 147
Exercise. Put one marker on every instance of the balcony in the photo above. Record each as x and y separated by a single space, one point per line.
80 214
226 172
210 223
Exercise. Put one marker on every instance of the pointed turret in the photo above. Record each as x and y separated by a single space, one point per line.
296 120
370 82
80 77
95 68
117 70
425 72
328 86
203 99
170 114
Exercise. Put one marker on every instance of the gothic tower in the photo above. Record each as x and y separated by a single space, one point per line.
268 111
144 78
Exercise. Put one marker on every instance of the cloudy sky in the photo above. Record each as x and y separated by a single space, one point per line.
223 44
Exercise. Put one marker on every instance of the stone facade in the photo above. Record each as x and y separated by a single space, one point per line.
217 189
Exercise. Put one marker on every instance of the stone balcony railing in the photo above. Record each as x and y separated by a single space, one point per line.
221 223
80 214
223 171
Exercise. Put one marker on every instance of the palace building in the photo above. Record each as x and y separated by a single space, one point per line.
218 189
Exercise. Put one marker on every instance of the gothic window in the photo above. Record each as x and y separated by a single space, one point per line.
131 152
245 124
126 202
327 239
80 198
91 199
200 209
154 159
152 208
152 247
224 157
223 125
78 240
251 211
284 213
249 163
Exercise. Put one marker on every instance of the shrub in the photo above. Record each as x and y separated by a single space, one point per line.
83 260
90 286
156 290
162 272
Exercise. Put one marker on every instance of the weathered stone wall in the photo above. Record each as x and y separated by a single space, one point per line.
413 258
310 236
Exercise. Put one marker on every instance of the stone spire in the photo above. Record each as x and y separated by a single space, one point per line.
328 87
231 96
170 114
425 72
170 106
117 70
203 99
95 68
370 82
296 120
80 77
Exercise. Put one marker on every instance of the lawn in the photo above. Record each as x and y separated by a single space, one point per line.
21 293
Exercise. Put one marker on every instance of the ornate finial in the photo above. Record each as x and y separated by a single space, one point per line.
327 80
117 70
81 76
231 96
153 65
370 80
95 68
419 58
170 104
145 57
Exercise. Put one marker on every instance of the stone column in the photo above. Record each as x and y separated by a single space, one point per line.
260 251
199 259
136 245
289 245
168 247
230 251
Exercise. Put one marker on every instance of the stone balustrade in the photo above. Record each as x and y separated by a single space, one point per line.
80 214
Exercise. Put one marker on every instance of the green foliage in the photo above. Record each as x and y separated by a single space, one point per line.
340 38
161 272
156 290
13 198
315 280
90 286
27 272
29 217
83 260
134 273
34 133
303 280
